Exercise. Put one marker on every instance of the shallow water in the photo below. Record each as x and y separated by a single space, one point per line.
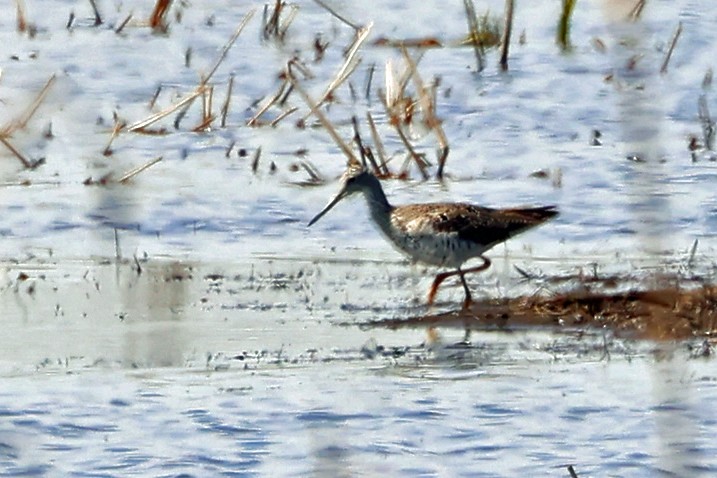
189 324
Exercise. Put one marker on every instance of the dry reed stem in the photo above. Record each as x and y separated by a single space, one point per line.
187 100
229 44
134 172
156 20
204 125
227 101
422 42
115 132
207 98
349 65
378 144
255 160
124 23
473 32
271 26
315 177
283 115
668 55
338 16
563 35
395 99
153 100
284 26
708 124
417 158
429 112
268 104
369 80
25 162
321 116
25 117
507 29
21 19
635 13
95 10
365 151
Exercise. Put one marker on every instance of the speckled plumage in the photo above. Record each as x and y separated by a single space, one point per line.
440 234
448 234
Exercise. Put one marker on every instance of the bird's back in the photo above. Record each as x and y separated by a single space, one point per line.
455 232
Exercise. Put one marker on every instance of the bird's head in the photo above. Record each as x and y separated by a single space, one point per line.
356 179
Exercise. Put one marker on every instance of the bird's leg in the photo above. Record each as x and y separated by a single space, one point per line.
445 275
436 283
469 300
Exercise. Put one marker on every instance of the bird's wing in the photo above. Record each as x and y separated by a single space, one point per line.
488 226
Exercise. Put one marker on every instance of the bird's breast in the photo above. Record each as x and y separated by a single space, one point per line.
429 247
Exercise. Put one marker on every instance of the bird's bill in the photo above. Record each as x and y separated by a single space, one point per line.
328 207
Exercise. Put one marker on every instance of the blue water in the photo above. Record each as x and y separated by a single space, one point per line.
607 419
189 324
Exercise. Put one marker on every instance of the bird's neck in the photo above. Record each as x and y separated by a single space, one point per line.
378 205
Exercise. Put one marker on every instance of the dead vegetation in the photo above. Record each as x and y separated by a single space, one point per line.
675 309
407 100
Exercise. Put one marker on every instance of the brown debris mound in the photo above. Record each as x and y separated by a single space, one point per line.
659 313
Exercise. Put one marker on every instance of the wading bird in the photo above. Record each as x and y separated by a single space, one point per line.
439 234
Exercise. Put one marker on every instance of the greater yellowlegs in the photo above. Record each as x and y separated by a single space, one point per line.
439 234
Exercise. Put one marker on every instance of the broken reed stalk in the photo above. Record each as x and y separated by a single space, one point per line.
349 65
207 116
369 80
153 100
668 55
25 162
395 88
124 23
32 108
21 18
227 101
98 18
271 26
364 150
115 132
338 16
229 44
268 104
378 143
563 37
507 29
134 172
255 160
429 113
417 158
156 20
284 26
321 116
314 175
708 124
187 100
473 32
693 251
635 13
283 115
